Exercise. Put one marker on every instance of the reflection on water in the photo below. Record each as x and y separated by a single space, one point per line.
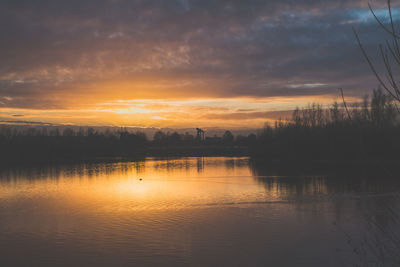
194 211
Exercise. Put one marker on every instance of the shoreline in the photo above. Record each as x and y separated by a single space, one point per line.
261 166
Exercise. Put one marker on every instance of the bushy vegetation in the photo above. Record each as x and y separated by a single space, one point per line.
365 130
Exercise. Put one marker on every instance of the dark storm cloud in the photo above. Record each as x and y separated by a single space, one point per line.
233 48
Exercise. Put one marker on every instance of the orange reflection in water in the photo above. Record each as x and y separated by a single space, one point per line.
150 184
184 212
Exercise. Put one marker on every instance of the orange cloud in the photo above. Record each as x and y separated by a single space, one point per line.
179 113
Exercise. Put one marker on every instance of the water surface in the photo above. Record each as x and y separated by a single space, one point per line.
194 212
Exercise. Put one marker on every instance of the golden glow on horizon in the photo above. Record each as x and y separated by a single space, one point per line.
205 112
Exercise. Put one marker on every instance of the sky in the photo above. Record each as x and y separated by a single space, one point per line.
180 63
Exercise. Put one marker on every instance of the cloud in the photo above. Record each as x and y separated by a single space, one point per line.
68 54
30 123
267 115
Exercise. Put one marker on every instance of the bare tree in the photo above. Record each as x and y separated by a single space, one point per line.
390 55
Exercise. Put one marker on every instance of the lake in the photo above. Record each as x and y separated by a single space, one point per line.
212 211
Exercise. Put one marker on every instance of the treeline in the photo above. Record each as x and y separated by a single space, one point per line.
227 139
34 144
358 131
57 144
364 130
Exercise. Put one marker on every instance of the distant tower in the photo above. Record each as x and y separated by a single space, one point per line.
200 135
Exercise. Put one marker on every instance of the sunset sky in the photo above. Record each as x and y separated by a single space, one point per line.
180 63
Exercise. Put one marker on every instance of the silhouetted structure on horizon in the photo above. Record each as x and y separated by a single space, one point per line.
200 135
370 131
